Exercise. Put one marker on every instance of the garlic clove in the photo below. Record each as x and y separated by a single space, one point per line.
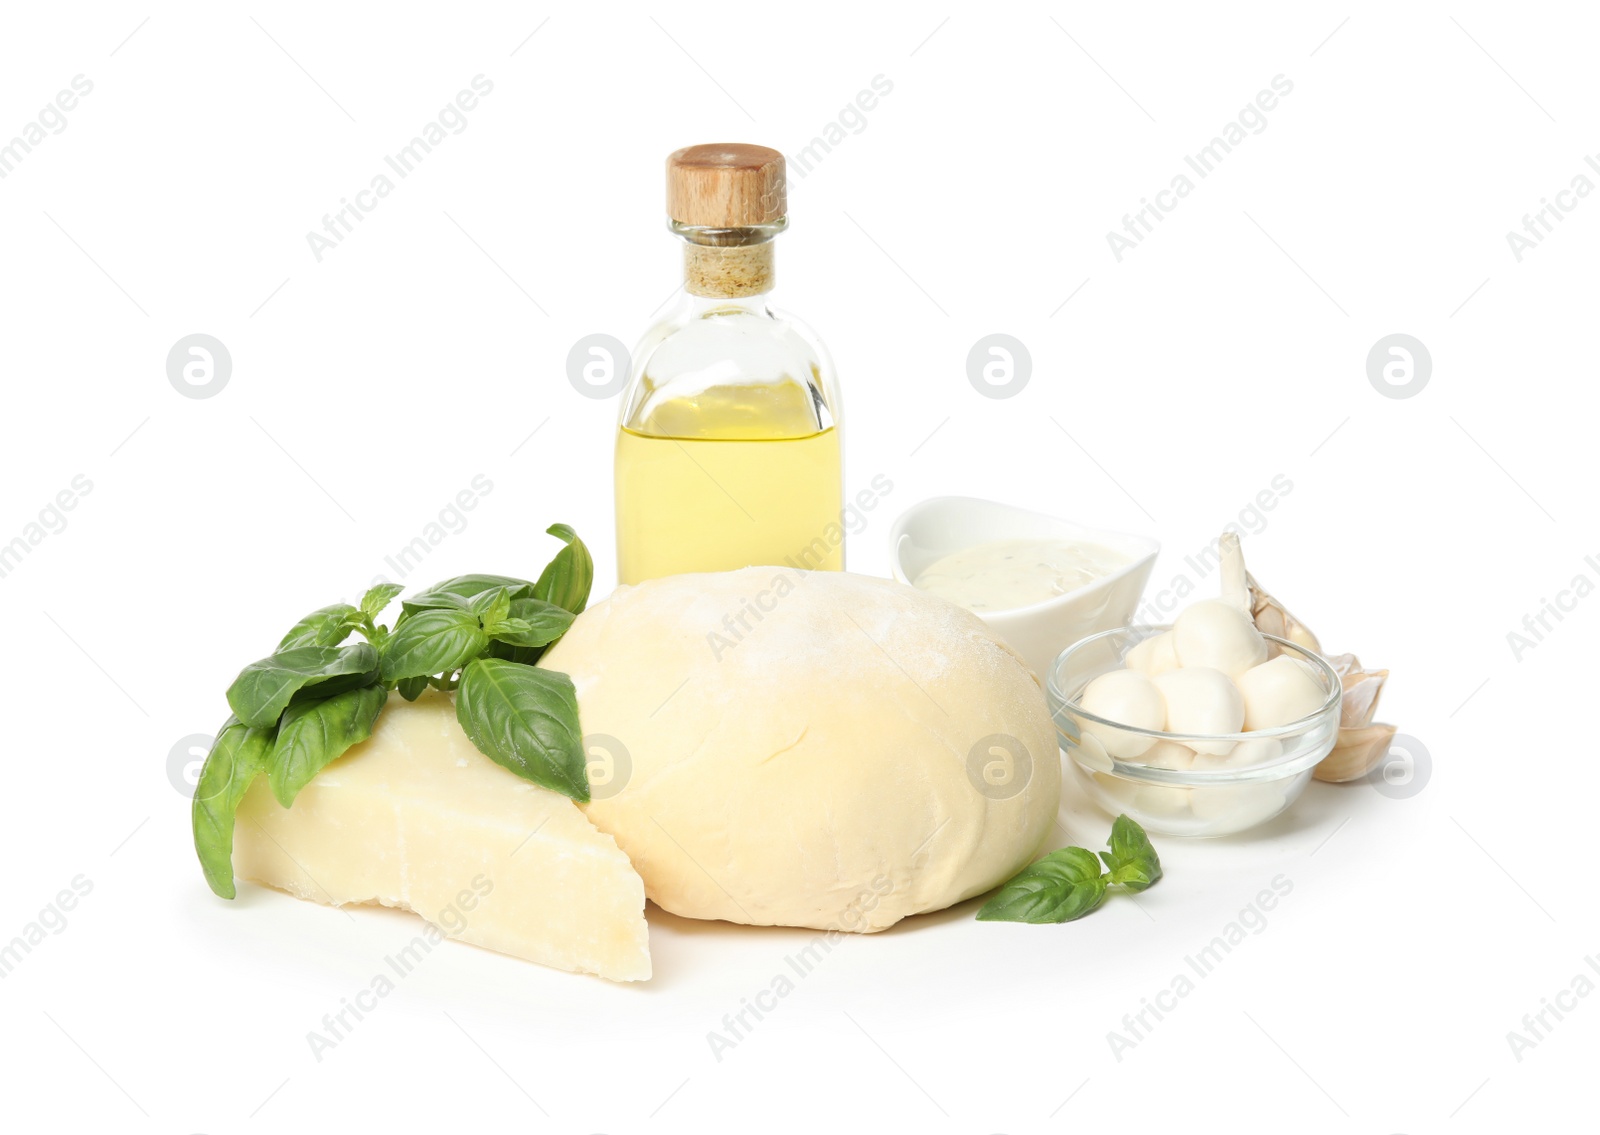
1343 663
1361 690
1356 753
1235 580
1241 589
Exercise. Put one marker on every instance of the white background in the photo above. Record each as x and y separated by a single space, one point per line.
1229 347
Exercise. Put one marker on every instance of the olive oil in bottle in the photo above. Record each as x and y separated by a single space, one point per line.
728 448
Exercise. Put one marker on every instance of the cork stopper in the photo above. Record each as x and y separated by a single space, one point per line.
726 185
728 272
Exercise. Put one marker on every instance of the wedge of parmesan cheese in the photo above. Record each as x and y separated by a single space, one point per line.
416 817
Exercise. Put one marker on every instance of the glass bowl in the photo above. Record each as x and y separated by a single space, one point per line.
1259 776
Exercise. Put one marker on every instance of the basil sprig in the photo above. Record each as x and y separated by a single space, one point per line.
302 707
1069 882
1132 862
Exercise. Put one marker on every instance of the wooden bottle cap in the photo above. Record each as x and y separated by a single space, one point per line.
726 185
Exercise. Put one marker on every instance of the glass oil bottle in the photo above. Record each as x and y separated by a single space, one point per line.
728 447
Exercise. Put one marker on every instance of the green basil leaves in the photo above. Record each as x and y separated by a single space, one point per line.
237 756
1069 883
314 734
1064 885
432 642
301 708
566 580
327 626
378 597
527 720
462 590
262 690
1131 860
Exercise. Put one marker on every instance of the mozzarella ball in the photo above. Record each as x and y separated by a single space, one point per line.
1118 793
1278 692
1169 755
1161 800
1232 808
1129 697
1091 753
1217 635
1201 700
1153 656
1258 751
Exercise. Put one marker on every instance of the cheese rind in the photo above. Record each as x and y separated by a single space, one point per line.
416 817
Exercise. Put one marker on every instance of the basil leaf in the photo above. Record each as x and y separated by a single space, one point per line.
263 689
1132 860
326 626
411 688
1064 885
566 580
459 591
541 623
237 756
432 642
525 719
491 606
330 686
527 655
378 597
316 733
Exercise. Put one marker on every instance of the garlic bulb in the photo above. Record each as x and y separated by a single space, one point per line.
1361 743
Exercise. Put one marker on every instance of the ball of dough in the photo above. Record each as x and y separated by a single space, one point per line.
810 749
1219 635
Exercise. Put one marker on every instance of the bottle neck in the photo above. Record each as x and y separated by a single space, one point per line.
730 263
737 272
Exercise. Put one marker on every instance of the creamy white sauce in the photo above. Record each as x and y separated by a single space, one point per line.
1017 573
